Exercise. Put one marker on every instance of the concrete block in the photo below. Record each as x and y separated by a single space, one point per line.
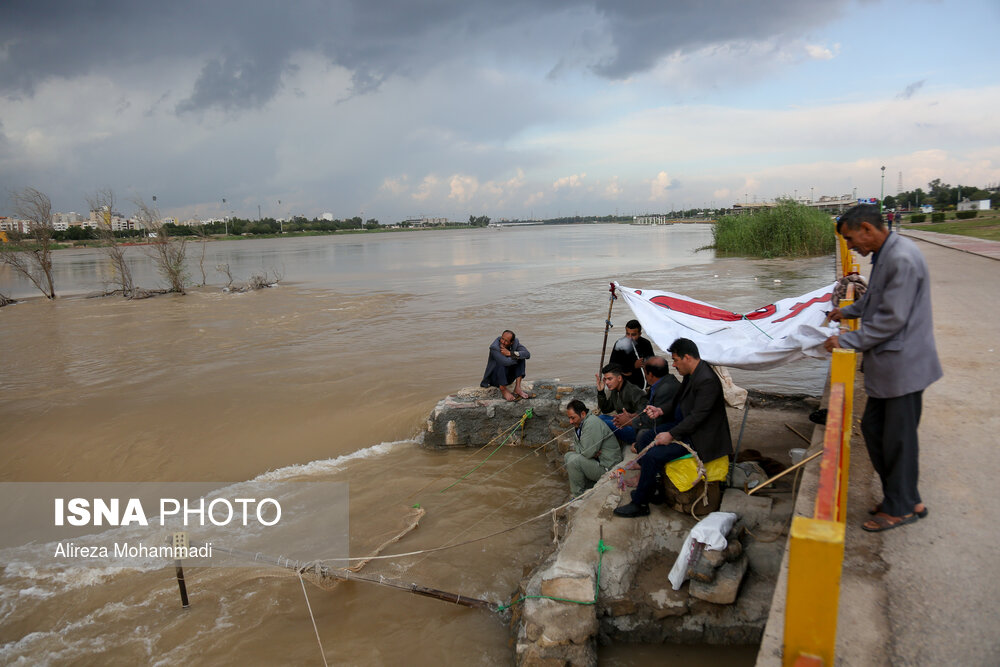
752 509
726 586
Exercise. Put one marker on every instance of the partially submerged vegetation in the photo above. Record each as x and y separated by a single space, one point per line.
786 230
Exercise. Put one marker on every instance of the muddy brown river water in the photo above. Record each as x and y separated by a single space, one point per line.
326 377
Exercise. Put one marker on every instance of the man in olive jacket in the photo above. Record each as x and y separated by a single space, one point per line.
700 411
595 448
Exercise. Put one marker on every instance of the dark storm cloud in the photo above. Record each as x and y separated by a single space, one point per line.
246 48
643 31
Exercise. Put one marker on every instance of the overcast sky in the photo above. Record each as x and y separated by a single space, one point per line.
510 108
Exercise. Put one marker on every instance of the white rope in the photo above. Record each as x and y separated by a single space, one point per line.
313 618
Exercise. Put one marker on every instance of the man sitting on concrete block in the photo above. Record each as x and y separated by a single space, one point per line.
595 448
700 409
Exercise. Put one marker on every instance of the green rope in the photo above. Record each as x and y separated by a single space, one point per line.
527 415
601 548
755 326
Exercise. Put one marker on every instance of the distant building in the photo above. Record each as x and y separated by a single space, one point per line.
14 225
977 205
651 220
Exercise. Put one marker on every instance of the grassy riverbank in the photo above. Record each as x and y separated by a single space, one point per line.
987 226
787 230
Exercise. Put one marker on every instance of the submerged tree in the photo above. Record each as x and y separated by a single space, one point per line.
34 258
168 252
102 204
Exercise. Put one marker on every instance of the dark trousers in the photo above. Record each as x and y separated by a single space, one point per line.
651 464
505 375
890 429
624 434
646 435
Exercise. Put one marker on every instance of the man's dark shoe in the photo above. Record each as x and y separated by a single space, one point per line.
632 510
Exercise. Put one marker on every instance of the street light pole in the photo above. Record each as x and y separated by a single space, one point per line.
882 195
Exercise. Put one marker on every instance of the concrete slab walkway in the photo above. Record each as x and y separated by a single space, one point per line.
927 593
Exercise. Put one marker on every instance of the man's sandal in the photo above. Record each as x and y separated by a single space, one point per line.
920 513
882 522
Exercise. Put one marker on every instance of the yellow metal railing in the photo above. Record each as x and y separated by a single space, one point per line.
816 544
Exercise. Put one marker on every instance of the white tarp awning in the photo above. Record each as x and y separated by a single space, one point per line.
783 331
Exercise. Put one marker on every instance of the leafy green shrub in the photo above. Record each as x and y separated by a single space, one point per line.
965 215
787 230
918 217
937 217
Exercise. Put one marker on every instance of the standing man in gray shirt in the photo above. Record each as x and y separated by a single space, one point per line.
900 359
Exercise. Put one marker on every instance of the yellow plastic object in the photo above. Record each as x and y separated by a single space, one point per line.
683 472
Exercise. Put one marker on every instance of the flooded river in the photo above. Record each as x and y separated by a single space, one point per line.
326 377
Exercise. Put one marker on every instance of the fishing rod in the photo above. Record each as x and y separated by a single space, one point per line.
340 574
607 325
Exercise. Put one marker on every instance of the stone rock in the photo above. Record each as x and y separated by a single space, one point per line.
703 570
667 602
725 587
569 588
622 607
561 623
752 509
451 434
734 548
530 655
713 558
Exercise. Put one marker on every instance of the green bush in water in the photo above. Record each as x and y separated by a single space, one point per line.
786 230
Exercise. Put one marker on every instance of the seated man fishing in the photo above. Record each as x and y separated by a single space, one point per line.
505 365
700 410
595 448
620 402
662 388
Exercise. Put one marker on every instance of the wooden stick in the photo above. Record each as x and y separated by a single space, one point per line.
607 325
798 434
783 473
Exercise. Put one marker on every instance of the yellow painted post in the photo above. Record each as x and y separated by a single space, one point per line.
815 560
843 366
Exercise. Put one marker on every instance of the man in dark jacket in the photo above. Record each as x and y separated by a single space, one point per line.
630 353
662 388
506 365
700 410
620 402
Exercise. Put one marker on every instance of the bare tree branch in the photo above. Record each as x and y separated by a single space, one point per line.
102 204
167 252
34 262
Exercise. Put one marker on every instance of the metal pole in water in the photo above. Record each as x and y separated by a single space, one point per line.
181 541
